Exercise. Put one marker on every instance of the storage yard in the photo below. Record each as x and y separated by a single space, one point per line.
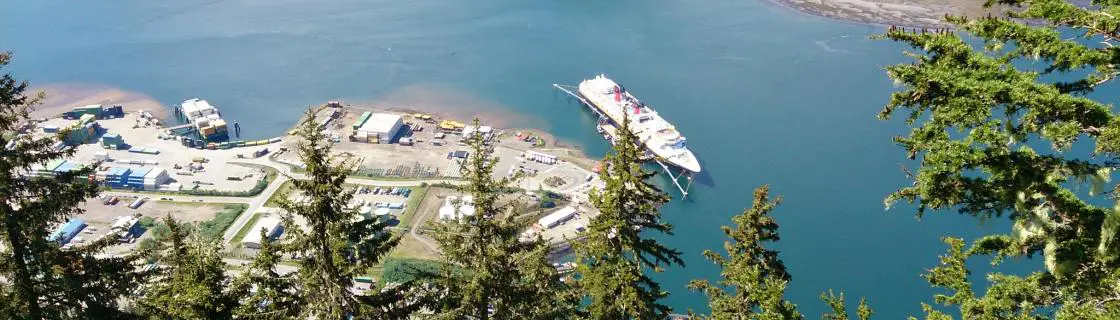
154 163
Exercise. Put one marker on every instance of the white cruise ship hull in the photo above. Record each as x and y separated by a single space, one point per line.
658 136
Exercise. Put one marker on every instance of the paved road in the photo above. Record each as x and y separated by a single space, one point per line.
183 198
255 205
281 269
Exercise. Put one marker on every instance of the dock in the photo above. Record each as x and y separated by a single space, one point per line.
607 130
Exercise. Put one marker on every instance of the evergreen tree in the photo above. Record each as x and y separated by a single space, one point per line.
190 281
613 260
267 294
499 276
996 132
336 246
42 280
754 278
756 274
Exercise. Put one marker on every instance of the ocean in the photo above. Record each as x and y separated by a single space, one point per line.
764 95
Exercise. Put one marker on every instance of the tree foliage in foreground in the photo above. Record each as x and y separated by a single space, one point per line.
615 255
40 279
337 245
190 282
754 278
500 276
1008 131
265 293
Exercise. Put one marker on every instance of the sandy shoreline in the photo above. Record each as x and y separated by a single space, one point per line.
906 13
62 97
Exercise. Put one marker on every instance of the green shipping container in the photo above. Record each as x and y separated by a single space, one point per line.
362 119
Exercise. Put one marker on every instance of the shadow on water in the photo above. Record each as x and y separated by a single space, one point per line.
705 178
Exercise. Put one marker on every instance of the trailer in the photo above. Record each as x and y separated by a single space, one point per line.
138 202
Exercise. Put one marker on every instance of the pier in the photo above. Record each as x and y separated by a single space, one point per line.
675 177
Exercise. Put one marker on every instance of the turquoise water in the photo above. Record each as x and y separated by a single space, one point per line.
765 95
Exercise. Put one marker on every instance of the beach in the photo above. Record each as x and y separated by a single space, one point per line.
62 97
906 13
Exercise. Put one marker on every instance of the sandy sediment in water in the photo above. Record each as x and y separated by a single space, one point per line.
449 103
62 97
908 13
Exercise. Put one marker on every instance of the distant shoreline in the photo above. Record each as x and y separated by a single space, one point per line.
880 13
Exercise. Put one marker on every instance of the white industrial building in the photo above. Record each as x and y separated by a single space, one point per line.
456 208
194 109
379 128
272 230
541 157
555 218
155 178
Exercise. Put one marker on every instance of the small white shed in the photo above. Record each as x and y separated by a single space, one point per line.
272 230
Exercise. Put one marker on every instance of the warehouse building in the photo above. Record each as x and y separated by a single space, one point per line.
68 231
134 178
56 167
379 128
272 230
155 178
555 218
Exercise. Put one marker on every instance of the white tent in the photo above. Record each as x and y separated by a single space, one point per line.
557 217
455 208
272 229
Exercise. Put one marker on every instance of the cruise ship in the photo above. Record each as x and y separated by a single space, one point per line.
206 119
660 137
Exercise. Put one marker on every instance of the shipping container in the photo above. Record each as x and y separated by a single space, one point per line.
362 120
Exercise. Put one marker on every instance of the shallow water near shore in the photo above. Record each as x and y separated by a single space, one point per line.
764 95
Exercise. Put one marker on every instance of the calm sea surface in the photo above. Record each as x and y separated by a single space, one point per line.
764 95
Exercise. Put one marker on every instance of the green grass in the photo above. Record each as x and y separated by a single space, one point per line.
245 229
214 228
417 195
273 200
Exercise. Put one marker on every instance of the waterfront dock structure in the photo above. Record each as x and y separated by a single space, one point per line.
606 128
206 119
